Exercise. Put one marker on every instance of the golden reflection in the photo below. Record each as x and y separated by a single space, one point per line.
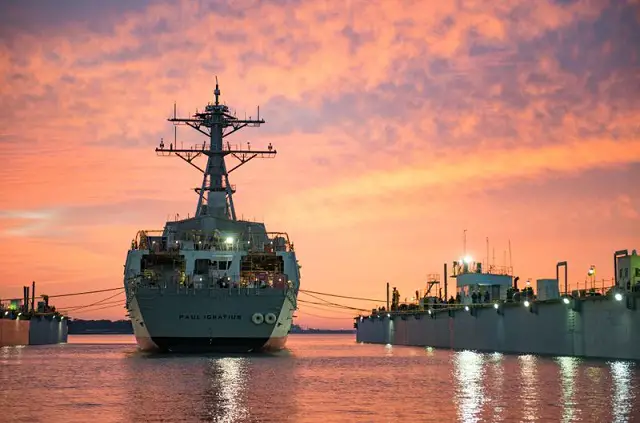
568 367
495 379
230 387
529 383
388 350
622 398
468 371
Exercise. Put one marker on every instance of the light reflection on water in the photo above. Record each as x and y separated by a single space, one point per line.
322 378
468 368
495 383
568 366
530 386
622 395
231 392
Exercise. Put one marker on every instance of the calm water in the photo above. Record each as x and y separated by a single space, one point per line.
321 378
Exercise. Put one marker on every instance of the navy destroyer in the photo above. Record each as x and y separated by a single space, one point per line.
489 312
212 282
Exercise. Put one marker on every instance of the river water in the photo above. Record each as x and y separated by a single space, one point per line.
320 378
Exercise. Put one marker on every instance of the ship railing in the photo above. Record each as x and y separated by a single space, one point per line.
142 239
461 269
196 239
272 242
231 290
409 309
188 285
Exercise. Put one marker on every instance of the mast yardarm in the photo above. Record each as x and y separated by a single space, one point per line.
215 195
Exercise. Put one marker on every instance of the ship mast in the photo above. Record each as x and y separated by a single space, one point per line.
215 195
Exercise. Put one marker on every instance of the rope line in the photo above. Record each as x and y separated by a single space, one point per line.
338 306
84 293
334 304
327 317
306 291
69 309
100 308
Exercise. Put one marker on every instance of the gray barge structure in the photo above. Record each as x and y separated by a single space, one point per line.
22 322
593 322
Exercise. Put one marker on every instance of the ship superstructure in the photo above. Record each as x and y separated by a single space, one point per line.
212 281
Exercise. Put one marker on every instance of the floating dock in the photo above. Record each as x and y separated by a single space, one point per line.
24 323
596 322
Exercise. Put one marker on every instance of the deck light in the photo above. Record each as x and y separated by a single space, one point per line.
496 306
618 296
388 315
429 311
229 240
527 303
566 300
466 308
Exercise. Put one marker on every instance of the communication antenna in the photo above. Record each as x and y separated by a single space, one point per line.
215 122
464 243
487 263
510 263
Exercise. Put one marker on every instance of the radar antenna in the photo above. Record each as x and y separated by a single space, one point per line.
215 195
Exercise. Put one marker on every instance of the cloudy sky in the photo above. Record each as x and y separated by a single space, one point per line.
399 124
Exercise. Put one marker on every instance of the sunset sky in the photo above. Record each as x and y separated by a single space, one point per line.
399 124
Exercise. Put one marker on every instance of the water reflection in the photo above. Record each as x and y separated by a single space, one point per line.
568 367
225 400
468 371
529 381
323 379
495 383
622 398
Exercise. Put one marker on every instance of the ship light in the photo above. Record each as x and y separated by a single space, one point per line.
468 259
429 311
6 313
388 315
496 306
466 308
19 314
566 300
526 303
229 240
618 296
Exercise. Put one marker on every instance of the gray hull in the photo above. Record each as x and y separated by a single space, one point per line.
599 327
225 320
36 331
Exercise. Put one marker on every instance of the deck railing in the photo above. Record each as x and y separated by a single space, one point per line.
268 242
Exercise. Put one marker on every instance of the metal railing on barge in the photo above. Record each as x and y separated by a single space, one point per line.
572 300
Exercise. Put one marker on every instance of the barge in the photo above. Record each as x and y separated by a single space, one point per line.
490 314
22 322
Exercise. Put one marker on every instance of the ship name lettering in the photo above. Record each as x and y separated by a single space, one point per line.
209 317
